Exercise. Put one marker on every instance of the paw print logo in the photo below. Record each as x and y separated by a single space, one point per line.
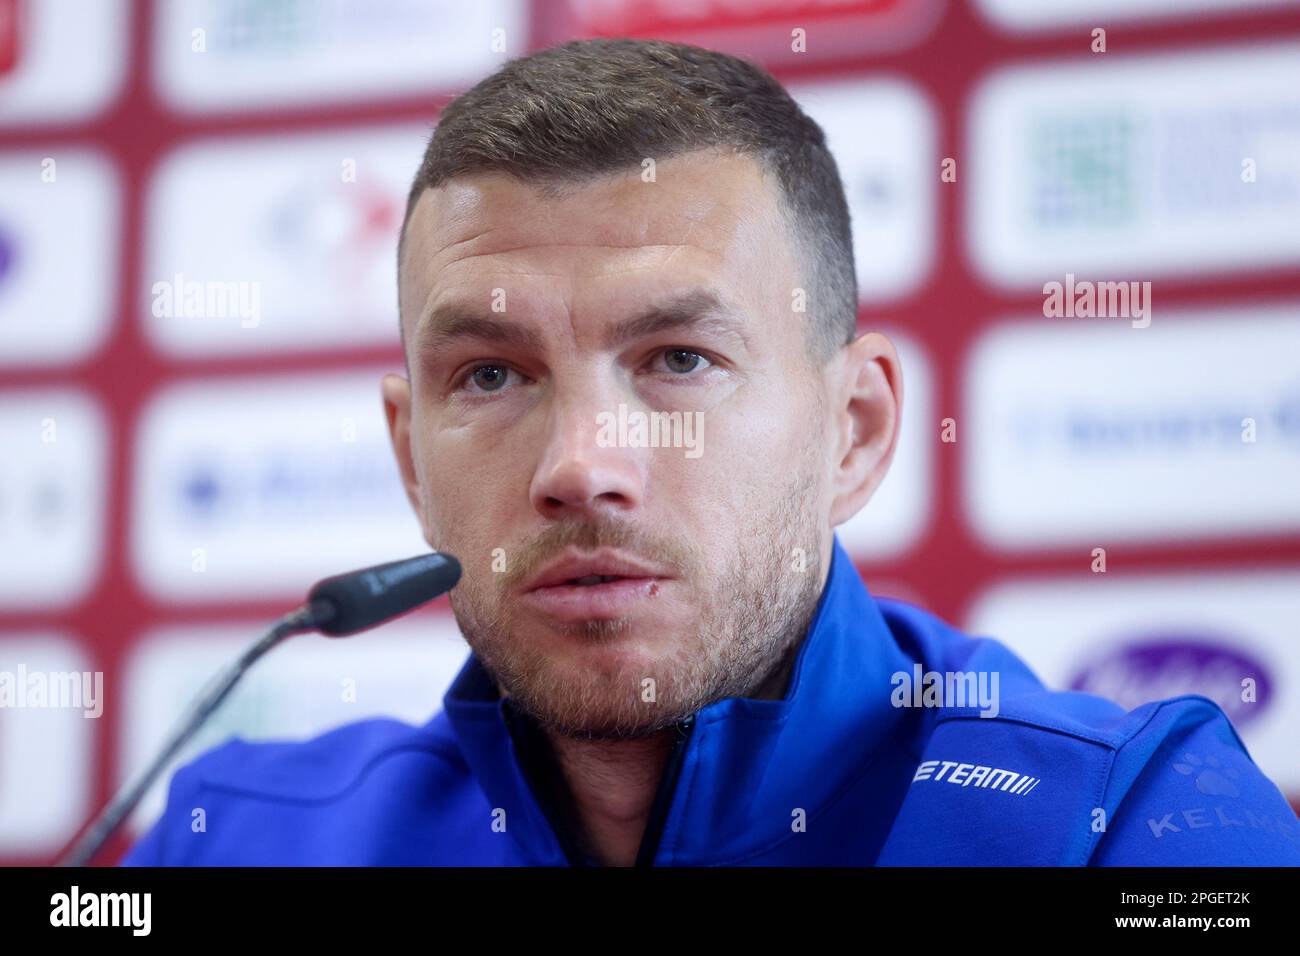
1212 779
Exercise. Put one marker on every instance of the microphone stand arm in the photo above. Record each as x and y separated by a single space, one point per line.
306 618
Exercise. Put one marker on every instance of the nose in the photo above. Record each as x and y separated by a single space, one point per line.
583 474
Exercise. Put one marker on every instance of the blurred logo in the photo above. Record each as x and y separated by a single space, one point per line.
255 53
1160 666
1080 430
58 254
316 240
631 16
252 487
8 253
1083 171
60 60
624 17
51 497
40 505
763 28
257 28
11 14
335 230
1037 15
280 487
1102 431
1153 165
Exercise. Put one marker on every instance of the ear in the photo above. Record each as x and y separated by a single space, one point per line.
868 403
397 410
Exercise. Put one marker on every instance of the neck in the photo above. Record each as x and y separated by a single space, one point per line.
611 786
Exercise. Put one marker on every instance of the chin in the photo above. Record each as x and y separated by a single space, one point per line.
601 690
617 659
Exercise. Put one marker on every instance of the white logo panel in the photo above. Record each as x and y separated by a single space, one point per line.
45 752
250 488
1037 15
278 243
882 135
1089 432
217 55
305 687
1137 167
58 255
53 492
60 60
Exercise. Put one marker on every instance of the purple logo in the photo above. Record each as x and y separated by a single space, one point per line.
8 253
1157 667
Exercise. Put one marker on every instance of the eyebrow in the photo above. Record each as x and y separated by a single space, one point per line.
699 309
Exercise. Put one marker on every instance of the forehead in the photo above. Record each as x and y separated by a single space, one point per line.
707 219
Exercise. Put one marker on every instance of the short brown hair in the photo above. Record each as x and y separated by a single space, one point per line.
588 107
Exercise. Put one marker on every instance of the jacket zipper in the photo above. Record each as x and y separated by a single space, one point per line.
663 801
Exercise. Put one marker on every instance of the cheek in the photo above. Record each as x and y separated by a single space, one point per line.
758 442
756 457
474 490
719 488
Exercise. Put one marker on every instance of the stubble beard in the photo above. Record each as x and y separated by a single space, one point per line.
749 619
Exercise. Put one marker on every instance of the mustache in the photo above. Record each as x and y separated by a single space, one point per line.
529 558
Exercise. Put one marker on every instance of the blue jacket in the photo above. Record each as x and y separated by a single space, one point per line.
839 772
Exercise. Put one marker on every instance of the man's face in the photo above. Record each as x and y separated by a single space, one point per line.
524 352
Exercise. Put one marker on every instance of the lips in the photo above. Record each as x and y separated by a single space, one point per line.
603 585
594 570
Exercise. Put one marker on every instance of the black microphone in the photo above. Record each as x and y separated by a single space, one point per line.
338 606
358 600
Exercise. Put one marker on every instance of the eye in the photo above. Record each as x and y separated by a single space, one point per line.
488 378
683 361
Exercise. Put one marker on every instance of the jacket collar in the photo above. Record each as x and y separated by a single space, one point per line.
747 762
